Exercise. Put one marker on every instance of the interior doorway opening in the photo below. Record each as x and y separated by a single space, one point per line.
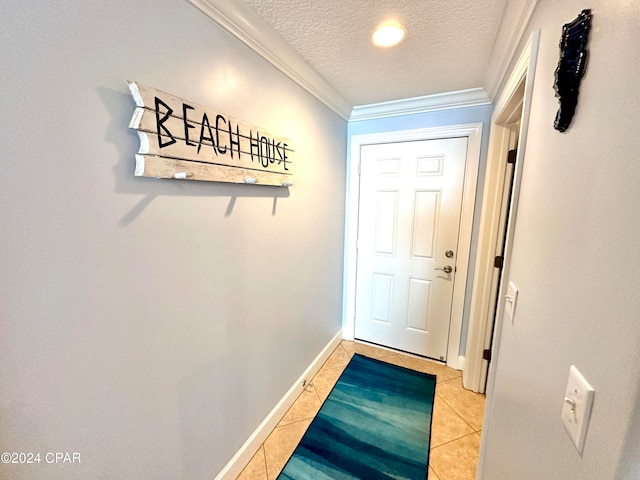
497 223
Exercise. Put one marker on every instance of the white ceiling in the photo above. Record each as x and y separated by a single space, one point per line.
448 48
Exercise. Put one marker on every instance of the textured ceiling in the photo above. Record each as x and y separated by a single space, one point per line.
447 49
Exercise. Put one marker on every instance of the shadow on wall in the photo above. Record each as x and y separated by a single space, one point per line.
629 463
121 106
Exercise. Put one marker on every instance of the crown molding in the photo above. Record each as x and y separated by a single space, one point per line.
429 103
250 29
499 75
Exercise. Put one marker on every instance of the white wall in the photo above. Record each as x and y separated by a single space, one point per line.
151 325
575 261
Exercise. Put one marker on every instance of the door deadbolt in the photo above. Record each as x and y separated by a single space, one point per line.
446 269
448 254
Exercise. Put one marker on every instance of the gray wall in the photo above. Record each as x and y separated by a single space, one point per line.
575 261
441 118
151 325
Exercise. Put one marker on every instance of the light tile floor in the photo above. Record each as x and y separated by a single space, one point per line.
456 424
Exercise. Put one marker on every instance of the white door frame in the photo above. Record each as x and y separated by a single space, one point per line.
473 131
480 315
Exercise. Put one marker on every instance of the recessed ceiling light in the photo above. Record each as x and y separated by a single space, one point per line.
388 34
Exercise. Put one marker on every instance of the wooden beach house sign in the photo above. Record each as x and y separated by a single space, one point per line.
180 139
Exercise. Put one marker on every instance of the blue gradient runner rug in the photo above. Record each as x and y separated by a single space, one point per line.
375 425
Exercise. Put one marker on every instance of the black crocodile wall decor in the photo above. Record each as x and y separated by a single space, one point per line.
571 67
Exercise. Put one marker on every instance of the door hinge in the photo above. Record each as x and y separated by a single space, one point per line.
511 157
486 355
498 262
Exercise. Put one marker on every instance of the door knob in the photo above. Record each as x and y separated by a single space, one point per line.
448 254
446 269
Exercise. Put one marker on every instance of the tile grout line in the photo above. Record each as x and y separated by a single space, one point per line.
294 448
459 414
454 440
436 472
441 476
318 397
264 458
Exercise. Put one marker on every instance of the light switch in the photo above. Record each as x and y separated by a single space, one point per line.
576 407
511 299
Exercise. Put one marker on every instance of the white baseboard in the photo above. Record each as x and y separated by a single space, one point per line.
251 446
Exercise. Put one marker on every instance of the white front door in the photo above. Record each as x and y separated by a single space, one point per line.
409 219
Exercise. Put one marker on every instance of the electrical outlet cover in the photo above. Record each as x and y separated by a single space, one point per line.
576 407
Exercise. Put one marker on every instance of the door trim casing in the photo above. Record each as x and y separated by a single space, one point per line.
480 314
525 69
473 131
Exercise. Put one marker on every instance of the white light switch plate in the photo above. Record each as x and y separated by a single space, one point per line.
511 300
576 407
